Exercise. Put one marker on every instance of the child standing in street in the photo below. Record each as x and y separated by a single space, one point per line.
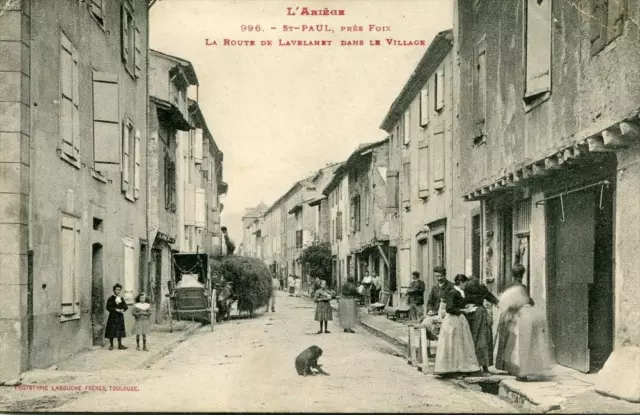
142 313
324 313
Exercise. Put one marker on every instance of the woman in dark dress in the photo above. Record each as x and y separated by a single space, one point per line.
479 323
347 306
116 306
456 352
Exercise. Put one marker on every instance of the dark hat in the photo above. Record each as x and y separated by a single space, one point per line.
415 273
440 270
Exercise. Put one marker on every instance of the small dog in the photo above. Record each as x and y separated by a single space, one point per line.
308 360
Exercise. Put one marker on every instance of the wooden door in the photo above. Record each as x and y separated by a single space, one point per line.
97 295
571 264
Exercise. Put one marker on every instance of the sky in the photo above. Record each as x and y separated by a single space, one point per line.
280 113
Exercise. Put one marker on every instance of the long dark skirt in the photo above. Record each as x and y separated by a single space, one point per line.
481 334
115 326
347 312
324 312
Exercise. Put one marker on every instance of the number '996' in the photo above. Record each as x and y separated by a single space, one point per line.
250 28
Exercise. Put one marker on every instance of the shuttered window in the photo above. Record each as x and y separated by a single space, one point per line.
200 201
137 168
479 92
131 38
98 10
69 97
131 163
406 127
129 277
70 267
538 44
137 57
406 182
106 122
439 95
392 191
339 226
438 160
423 169
197 146
424 106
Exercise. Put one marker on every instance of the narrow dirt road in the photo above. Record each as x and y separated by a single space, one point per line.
247 365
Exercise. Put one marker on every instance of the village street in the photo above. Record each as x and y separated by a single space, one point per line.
247 365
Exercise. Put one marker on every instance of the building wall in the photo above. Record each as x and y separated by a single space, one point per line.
338 201
74 190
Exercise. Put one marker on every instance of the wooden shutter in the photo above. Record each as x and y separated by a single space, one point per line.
106 121
438 160
197 146
440 89
125 157
200 208
189 204
538 47
339 225
137 57
406 182
479 90
136 166
352 215
125 33
406 128
129 270
424 106
392 190
69 91
423 169
68 261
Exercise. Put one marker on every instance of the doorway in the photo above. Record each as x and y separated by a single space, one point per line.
143 277
423 263
580 269
157 286
97 295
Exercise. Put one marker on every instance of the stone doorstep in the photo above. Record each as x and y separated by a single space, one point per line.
52 374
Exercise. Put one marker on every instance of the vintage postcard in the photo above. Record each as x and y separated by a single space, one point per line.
320 206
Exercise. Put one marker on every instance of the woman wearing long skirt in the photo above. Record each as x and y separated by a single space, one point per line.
116 306
522 346
456 352
347 306
479 322
324 313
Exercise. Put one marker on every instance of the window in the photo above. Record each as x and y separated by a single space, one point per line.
608 22
106 122
424 106
439 87
69 94
406 182
423 169
438 250
200 207
98 9
355 214
70 268
339 226
438 159
538 45
479 92
129 277
406 127
131 168
392 191
299 238
197 146
169 184
131 41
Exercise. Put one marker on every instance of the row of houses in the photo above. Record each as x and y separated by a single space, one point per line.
107 168
513 141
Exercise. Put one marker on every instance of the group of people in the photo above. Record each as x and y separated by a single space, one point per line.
458 319
294 286
115 328
347 306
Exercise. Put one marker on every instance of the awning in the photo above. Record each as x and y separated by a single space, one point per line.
586 146
169 113
295 208
317 200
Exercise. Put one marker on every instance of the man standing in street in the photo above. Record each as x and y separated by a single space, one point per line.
416 296
275 282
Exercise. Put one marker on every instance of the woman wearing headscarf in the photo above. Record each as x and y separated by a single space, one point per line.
347 309
479 322
522 346
456 352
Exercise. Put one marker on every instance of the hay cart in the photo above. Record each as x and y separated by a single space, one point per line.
191 293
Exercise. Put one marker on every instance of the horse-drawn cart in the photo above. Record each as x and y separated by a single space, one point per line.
191 293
